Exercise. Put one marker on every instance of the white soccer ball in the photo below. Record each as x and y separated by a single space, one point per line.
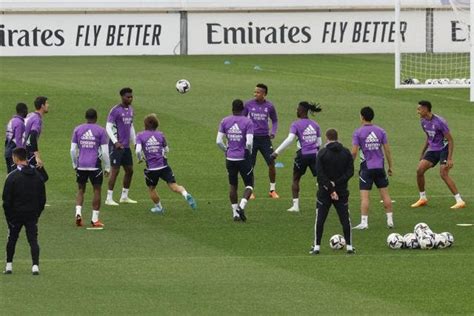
420 228
444 81
183 86
449 238
337 242
440 241
395 241
455 81
426 241
429 81
411 241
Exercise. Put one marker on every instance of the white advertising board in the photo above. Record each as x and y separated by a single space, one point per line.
343 32
450 34
89 34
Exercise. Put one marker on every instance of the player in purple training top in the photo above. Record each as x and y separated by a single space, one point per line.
88 147
439 147
308 133
260 110
121 132
14 134
371 141
152 148
33 129
238 130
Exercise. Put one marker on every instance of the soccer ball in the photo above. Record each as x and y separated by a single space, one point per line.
411 81
183 86
337 242
429 81
395 241
440 241
420 228
426 241
444 81
449 238
411 241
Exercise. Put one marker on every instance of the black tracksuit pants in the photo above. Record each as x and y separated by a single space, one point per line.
31 227
323 205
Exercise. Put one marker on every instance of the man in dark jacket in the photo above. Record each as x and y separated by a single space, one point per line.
334 168
23 201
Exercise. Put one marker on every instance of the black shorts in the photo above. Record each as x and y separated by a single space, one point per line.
303 162
152 176
264 145
440 156
367 177
95 176
120 157
244 167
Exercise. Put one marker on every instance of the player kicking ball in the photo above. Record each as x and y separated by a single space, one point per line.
152 148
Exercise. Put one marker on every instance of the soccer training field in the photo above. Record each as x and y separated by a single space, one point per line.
201 262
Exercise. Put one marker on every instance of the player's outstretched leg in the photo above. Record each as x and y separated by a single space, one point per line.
188 197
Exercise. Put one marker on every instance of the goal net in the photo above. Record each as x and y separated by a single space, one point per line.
433 43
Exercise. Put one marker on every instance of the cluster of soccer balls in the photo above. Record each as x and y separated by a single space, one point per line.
183 86
422 237
442 81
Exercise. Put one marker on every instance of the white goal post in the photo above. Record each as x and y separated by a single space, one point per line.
433 47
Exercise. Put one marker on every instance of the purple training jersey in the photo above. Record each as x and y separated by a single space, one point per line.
370 139
435 130
260 113
236 128
15 130
89 137
308 132
153 146
33 122
122 119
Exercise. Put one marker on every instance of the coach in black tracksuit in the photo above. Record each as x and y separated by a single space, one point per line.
24 198
334 168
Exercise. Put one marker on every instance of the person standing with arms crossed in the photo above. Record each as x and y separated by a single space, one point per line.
120 130
260 110
24 198
334 168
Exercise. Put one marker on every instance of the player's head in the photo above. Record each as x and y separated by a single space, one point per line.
19 155
127 96
331 135
260 92
304 107
367 114
21 109
41 104
237 106
91 115
151 122
424 108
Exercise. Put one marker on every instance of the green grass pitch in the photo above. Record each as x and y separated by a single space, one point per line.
202 262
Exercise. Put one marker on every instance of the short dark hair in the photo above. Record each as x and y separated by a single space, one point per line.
151 122
21 109
367 113
262 86
237 105
331 134
123 91
91 114
20 153
426 104
39 101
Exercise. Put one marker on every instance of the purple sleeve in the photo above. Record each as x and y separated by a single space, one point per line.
250 127
74 136
138 139
384 139
355 138
103 138
18 132
318 130
444 127
245 112
274 118
221 127
165 143
293 129
36 126
111 117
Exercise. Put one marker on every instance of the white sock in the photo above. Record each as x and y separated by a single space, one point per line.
9 266
316 247
458 198
35 268
423 195
95 216
109 194
272 186
364 219
124 193
78 210
389 217
184 193
243 203
296 203
349 247
159 205
234 210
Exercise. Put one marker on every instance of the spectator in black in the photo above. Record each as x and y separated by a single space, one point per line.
334 168
24 197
